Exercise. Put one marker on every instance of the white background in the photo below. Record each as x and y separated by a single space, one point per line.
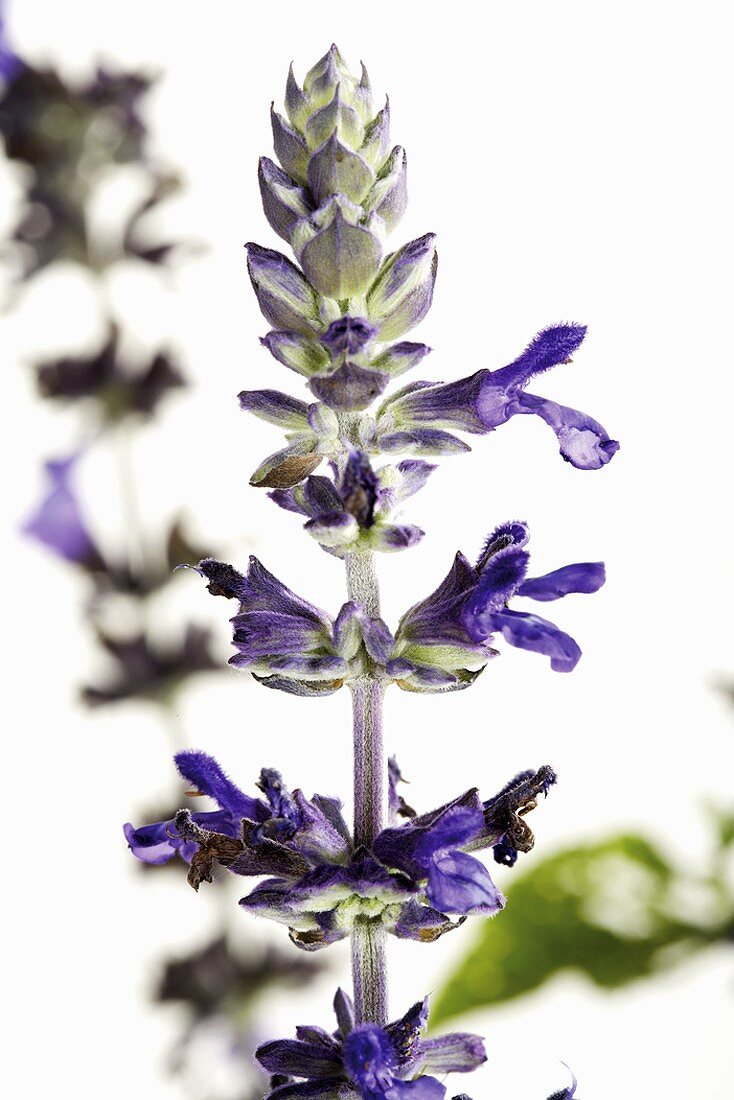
574 160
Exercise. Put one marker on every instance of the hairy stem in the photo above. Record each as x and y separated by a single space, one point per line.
368 938
369 973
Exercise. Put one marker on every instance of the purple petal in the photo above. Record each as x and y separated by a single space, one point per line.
208 777
151 843
513 533
547 349
539 635
285 499
58 522
584 577
500 579
412 847
437 619
293 1057
348 335
369 1059
422 1088
317 837
157 843
459 883
457 1052
264 592
269 633
422 923
583 441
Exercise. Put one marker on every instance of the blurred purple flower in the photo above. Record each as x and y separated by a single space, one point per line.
58 522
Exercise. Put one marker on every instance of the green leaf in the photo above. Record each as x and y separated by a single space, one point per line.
602 909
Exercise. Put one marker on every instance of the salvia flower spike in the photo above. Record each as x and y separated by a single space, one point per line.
340 308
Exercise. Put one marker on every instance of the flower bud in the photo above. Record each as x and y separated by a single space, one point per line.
283 201
342 258
335 170
296 351
290 148
389 196
285 298
337 117
402 293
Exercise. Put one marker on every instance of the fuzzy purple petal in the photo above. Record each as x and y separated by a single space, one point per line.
584 442
459 883
457 1052
208 777
299 1059
583 577
348 335
539 635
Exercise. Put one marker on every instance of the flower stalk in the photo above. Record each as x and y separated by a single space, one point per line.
369 966
338 320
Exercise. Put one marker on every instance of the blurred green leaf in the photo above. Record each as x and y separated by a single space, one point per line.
602 909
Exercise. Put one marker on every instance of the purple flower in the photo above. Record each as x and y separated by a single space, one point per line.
286 642
487 399
443 642
354 511
160 842
142 666
320 883
58 521
375 1063
106 377
429 849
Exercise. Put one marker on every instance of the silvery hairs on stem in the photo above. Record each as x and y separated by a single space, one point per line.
339 316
